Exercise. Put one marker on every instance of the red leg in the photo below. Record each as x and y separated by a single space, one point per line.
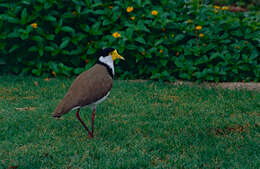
93 118
84 125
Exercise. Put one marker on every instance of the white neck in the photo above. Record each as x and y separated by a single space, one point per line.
108 61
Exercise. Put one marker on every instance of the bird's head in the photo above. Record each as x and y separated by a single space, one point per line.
111 52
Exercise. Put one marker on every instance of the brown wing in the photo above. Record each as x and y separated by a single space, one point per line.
87 88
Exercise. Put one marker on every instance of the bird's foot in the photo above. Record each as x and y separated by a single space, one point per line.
90 136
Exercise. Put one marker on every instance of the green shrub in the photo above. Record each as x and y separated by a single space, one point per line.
44 37
237 2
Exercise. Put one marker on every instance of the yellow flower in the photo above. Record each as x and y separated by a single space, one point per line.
116 35
34 25
224 8
189 21
161 51
53 73
133 18
198 28
154 12
36 83
216 7
47 79
201 35
74 13
173 35
129 9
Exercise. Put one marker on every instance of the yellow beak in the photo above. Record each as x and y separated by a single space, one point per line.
115 55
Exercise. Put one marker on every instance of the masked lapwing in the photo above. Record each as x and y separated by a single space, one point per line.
90 88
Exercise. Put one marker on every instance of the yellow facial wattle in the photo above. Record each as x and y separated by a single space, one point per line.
115 55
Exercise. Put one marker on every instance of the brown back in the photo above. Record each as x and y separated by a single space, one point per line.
87 88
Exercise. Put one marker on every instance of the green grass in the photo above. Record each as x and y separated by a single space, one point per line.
140 125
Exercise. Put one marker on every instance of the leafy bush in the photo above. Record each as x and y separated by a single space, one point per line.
159 39
239 2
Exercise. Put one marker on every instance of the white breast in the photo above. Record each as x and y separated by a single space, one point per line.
102 99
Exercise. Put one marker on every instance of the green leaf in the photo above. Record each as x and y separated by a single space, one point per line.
2 45
163 62
85 27
37 38
50 37
140 40
165 73
36 72
13 48
138 58
78 7
33 49
141 26
60 22
55 52
64 43
90 64
155 76
41 52
141 49
68 29
106 22
24 16
9 19
49 48
24 36
47 5
26 2
53 66
131 47
95 29
15 69
2 61
185 76
78 70
91 50
13 34
129 33
76 52
148 55
99 12
78 3
50 18
179 37
158 42
57 30
86 11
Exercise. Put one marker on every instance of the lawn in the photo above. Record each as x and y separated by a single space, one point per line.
140 125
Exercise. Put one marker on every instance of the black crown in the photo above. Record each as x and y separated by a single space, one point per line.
106 51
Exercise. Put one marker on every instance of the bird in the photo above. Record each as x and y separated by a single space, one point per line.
90 88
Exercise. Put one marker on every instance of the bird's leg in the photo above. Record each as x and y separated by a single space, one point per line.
93 118
84 125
